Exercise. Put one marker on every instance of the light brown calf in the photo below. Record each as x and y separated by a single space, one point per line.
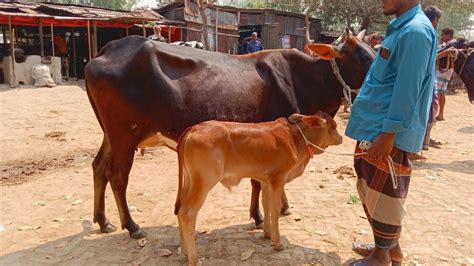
274 153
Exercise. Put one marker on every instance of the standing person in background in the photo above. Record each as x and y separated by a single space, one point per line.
254 45
157 34
444 76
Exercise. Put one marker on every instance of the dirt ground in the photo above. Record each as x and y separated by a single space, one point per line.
49 137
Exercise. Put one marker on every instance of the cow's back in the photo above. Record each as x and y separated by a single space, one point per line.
170 88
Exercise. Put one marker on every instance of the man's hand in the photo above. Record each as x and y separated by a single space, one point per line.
381 147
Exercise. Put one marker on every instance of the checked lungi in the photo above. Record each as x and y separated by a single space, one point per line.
383 205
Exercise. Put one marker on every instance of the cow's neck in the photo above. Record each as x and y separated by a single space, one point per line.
324 92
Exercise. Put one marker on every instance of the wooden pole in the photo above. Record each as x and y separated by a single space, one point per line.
74 54
144 30
53 73
89 39
94 40
41 36
52 40
12 50
169 33
217 29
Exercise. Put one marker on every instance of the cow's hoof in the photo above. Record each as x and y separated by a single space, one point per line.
285 212
108 228
139 234
259 225
279 247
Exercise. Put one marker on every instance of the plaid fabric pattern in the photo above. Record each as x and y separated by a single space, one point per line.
442 85
383 205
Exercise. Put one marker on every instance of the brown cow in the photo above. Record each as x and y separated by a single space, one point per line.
146 93
274 153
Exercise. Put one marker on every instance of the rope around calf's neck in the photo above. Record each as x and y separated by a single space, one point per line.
365 145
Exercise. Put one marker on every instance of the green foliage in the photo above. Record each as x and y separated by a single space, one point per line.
365 14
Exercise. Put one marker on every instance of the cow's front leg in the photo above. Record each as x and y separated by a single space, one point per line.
118 178
254 204
266 210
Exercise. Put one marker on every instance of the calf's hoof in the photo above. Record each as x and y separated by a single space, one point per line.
138 234
195 262
267 235
278 247
285 212
259 225
108 228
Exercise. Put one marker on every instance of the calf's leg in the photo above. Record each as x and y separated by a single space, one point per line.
254 204
266 210
275 191
192 199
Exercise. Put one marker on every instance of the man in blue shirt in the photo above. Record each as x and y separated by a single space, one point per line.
254 45
391 112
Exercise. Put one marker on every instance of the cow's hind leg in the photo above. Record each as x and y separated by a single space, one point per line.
254 204
118 173
99 166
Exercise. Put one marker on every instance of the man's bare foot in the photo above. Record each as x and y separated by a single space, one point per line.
365 249
377 257
415 156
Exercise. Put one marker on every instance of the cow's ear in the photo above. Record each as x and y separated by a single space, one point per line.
296 118
324 51
314 121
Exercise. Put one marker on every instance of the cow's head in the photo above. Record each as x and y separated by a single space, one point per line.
320 129
353 57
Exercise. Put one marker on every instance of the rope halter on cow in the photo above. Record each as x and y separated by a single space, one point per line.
467 53
346 89
364 145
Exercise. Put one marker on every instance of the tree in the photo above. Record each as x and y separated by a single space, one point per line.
202 4
365 14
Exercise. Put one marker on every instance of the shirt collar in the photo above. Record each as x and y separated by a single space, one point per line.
397 22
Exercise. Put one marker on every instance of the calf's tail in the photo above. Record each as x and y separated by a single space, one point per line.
180 150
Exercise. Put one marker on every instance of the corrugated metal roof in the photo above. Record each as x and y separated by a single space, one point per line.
55 10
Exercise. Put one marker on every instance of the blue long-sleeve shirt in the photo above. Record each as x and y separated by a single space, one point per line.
397 91
254 46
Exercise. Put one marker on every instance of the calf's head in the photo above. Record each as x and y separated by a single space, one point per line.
320 129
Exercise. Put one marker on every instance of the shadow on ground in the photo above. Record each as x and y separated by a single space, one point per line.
218 247
466 166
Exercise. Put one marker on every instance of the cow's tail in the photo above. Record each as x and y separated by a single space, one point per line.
92 102
180 150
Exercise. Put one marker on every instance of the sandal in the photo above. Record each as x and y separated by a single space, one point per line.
435 143
362 248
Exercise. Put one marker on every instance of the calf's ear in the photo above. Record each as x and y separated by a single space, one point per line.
314 121
296 118
324 51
